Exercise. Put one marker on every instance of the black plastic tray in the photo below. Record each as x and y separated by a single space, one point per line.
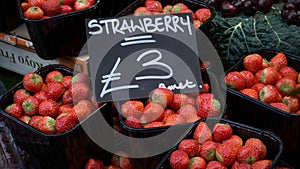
273 143
244 109
49 151
9 15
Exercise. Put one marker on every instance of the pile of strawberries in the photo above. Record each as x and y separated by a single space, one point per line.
164 108
270 82
153 7
54 104
39 9
219 149
117 162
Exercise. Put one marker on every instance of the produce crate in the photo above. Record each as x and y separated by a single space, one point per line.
272 142
244 109
9 15
60 35
65 150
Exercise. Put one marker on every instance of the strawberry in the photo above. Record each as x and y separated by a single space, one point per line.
25 6
132 108
237 165
235 80
292 102
190 101
174 119
197 163
67 97
167 9
48 108
51 7
258 75
162 96
133 122
153 112
250 92
166 113
154 124
153 6
80 78
84 108
265 63
66 81
189 11
54 76
66 9
178 101
256 143
234 141
179 159
34 121
285 85
190 146
83 4
25 119
207 106
226 154
215 165
281 106
55 90
32 82
208 150
189 113
177 8
203 14
94 164
44 87
41 96
258 86
141 11
249 78
268 94
197 24
65 108
202 133
79 91
269 76
278 61
65 122
253 62
46 124
289 72
262 164
221 132
20 95
248 154
37 3
31 106
15 110
67 2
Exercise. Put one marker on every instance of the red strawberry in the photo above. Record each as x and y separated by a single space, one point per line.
65 108
268 94
55 90
202 133
51 7
262 164
226 154
84 108
83 4
189 11
177 8
256 143
235 80
278 61
34 121
153 6
258 75
154 124
54 76
190 146
66 81
65 122
189 113
20 95
34 13
44 87
41 96
249 78
281 106
191 101
179 159
36 2
153 112
141 11
132 108
250 92
67 97
253 62
197 163
32 82
166 113
258 86
133 122
15 110
46 124
285 85
67 2
215 165
79 91
174 119
162 96
80 78
25 6
269 76
248 154
31 106
208 150
25 119
237 165
265 63
221 132
197 24
289 72
234 141
207 106
167 9
94 164
292 102
48 108
178 101
203 14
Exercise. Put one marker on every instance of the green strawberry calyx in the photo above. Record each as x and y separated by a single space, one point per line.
177 8
285 87
219 158
27 106
216 104
250 160
36 78
210 153
263 77
9 107
58 78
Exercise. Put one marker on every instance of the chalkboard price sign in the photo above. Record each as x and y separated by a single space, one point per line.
130 56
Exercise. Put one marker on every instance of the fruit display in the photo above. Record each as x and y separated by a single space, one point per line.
271 82
40 9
